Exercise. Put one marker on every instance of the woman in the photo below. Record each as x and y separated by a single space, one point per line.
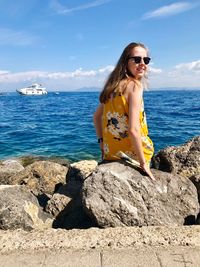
120 119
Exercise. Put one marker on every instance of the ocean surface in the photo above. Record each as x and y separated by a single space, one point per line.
60 125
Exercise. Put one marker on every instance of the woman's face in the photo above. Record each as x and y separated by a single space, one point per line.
136 63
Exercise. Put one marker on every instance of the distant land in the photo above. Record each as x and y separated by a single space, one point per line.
174 88
97 89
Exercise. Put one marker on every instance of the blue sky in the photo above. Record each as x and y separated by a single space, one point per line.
67 44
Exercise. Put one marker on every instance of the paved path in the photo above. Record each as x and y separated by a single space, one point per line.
149 257
150 246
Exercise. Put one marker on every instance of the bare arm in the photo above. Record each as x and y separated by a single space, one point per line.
134 101
97 119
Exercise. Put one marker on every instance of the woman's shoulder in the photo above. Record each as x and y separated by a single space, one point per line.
125 85
131 88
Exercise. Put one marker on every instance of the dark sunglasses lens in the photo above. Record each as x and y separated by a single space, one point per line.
146 60
137 59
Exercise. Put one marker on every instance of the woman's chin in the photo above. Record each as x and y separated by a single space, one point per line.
139 76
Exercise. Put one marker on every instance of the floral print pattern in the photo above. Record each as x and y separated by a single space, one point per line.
115 130
117 124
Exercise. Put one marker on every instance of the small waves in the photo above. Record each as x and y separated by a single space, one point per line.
61 125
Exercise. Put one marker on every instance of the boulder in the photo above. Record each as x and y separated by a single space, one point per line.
20 209
41 177
65 205
8 168
73 216
81 170
116 194
27 160
183 160
57 203
196 181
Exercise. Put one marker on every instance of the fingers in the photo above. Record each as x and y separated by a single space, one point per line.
148 172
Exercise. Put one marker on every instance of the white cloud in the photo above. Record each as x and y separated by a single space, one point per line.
19 38
64 80
60 9
3 72
170 10
154 70
181 75
108 68
191 67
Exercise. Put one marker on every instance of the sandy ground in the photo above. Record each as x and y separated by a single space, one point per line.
111 247
94 238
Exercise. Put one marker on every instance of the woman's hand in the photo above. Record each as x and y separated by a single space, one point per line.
101 148
147 170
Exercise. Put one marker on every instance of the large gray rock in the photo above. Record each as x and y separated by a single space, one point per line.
196 181
57 203
8 168
20 209
118 195
65 205
77 173
183 160
81 169
41 177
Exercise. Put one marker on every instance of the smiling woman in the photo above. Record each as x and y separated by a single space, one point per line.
120 120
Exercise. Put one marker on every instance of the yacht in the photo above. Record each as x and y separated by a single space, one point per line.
34 89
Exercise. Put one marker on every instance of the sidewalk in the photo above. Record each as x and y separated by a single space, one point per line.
149 246
150 257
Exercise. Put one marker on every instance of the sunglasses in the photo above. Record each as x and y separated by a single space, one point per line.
138 60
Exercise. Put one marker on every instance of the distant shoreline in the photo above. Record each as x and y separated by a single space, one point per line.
99 90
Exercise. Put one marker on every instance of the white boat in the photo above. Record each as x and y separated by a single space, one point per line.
34 89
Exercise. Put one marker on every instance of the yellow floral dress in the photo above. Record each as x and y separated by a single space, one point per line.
115 130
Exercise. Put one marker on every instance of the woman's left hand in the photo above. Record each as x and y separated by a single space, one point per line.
101 148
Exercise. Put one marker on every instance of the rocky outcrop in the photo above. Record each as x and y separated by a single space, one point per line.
81 170
9 168
66 204
118 195
41 177
183 160
20 209
196 181
82 194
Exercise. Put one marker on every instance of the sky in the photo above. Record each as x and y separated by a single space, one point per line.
72 44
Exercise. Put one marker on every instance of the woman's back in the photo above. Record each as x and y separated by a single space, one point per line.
116 125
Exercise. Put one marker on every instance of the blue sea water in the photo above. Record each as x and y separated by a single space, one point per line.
61 124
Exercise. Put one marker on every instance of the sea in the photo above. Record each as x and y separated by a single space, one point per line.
60 124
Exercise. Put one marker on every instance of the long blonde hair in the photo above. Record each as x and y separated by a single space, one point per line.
119 73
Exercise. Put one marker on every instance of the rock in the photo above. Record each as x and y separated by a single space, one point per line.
9 168
81 169
183 160
73 216
66 204
118 195
20 209
41 177
196 181
78 171
27 160
57 204
198 219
